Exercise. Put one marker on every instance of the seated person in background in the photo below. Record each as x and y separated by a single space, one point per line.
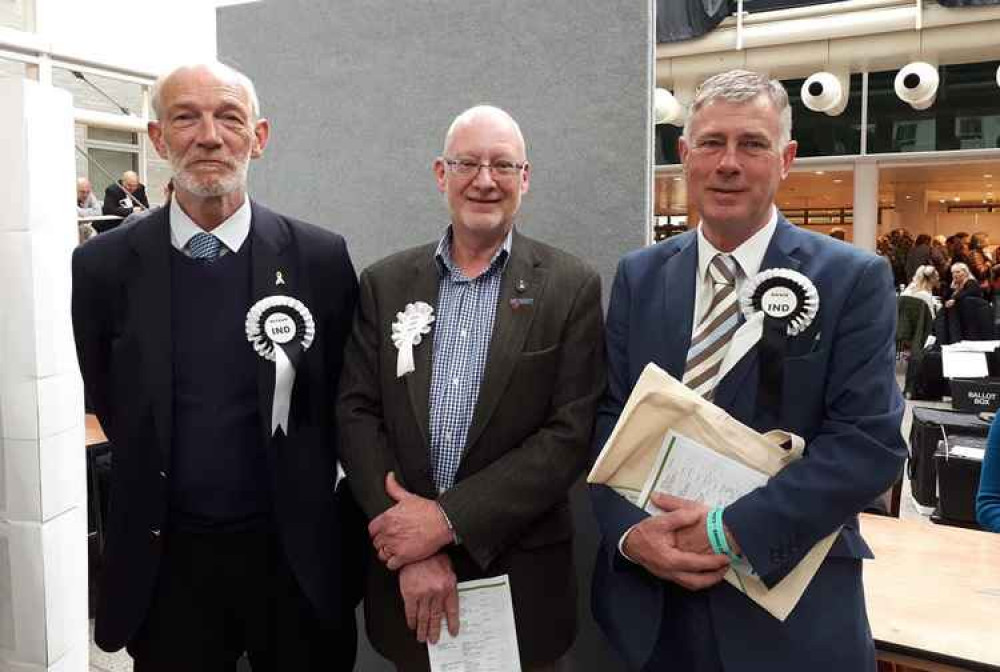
124 197
87 204
963 285
925 281
988 499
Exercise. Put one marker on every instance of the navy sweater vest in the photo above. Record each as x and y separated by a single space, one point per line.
219 476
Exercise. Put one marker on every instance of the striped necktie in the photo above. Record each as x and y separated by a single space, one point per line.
204 246
711 338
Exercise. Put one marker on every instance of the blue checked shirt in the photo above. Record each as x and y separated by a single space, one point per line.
463 326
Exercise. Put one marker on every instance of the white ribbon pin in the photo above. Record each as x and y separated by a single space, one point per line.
407 331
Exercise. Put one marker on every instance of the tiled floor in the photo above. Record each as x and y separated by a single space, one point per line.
120 662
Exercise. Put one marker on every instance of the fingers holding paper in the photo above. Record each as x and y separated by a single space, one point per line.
430 595
654 543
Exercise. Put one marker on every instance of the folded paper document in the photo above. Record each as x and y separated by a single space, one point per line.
661 408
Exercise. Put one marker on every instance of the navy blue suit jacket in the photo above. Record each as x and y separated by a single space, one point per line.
840 395
122 323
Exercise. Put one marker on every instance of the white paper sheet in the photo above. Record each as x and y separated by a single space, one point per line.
978 454
971 346
964 364
685 468
487 639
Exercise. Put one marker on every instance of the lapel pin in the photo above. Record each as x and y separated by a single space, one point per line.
517 303
521 286
279 279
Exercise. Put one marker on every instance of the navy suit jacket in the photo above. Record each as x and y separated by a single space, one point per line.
122 322
839 394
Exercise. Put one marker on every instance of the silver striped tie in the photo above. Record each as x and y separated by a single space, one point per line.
711 339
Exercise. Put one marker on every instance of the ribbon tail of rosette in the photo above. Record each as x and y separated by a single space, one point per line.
404 359
747 336
286 358
773 345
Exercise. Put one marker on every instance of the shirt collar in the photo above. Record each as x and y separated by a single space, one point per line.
750 253
232 232
446 264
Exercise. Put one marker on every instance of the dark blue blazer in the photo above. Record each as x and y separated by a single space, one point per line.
840 395
122 323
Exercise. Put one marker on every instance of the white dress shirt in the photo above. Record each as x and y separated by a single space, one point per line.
749 256
232 232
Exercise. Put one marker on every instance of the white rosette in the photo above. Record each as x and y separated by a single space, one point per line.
782 294
407 331
281 329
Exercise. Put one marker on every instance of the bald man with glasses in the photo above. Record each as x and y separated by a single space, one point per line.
462 455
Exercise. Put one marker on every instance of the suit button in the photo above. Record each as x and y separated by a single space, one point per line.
163 474
155 531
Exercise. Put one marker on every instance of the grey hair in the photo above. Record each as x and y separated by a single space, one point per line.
481 110
743 86
961 266
220 70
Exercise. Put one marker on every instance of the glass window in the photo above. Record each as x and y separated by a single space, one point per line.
819 134
965 114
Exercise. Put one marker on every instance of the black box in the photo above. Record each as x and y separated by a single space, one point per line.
975 395
930 425
958 480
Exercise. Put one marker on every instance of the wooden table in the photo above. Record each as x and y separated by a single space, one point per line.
933 594
95 435
95 438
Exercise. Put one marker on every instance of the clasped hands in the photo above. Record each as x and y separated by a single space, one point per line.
408 538
674 545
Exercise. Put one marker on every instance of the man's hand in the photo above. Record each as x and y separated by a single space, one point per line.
429 590
411 530
693 538
654 544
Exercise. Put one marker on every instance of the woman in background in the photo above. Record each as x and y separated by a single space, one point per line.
925 281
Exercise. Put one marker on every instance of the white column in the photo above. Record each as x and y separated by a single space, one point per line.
43 512
865 203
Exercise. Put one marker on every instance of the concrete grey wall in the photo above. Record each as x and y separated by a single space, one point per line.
360 96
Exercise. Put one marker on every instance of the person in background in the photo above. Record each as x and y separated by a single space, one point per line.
979 262
988 497
925 281
87 204
918 255
963 285
124 197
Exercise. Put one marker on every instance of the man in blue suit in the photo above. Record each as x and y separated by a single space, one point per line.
658 590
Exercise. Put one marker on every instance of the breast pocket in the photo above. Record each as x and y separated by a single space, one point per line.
534 376
803 390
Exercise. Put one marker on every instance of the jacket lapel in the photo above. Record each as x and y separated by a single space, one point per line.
510 328
779 255
679 277
269 237
150 305
423 287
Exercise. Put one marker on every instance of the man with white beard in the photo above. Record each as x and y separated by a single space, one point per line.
210 337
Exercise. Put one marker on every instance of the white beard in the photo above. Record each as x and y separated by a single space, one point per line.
210 187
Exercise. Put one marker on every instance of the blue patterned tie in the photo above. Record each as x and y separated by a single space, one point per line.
204 246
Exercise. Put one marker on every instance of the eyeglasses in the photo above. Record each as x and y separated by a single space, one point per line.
498 169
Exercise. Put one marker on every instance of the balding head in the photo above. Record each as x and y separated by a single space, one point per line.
485 112
130 180
221 71
83 189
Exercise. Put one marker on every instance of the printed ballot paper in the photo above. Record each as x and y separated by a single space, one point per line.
487 640
712 457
